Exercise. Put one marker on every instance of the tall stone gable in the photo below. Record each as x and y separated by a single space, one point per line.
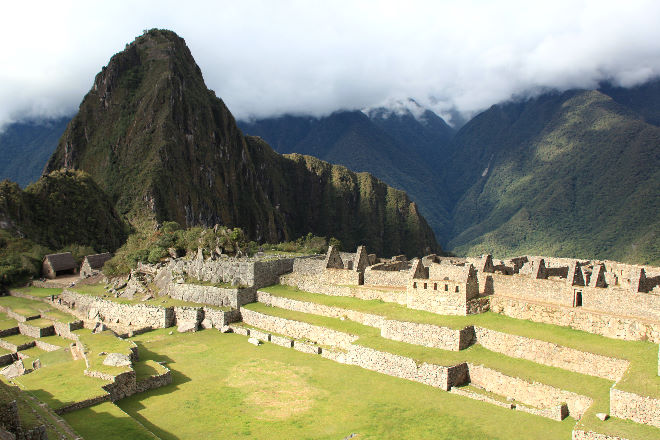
486 264
333 259
418 270
598 277
637 279
361 260
574 277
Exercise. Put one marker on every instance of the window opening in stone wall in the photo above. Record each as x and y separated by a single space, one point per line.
435 286
446 288
577 298
425 285
456 289
414 285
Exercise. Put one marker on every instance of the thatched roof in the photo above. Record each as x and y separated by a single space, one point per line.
63 261
97 261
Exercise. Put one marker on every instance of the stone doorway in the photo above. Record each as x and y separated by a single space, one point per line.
577 298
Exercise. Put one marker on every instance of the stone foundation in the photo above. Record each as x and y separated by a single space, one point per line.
211 295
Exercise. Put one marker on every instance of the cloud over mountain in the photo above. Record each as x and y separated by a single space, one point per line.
266 58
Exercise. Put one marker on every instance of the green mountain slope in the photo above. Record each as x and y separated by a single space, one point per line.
164 147
397 148
26 146
572 174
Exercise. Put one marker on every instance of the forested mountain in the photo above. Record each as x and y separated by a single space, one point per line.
164 147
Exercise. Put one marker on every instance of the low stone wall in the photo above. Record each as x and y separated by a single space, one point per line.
579 434
320 309
138 315
405 368
428 335
83 404
315 284
214 296
531 393
153 382
188 314
46 346
220 318
66 330
16 347
640 409
20 318
34 331
297 329
306 347
617 327
478 305
551 354
341 277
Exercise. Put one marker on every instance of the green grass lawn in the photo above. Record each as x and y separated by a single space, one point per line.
40 322
28 307
56 340
96 343
641 377
148 368
271 392
160 301
106 421
38 292
17 339
6 322
47 358
61 384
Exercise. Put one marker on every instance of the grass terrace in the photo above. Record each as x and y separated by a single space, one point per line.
146 369
6 322
41 322
38 292
641 377
104 342
107 421
17 339
62 384
28 308
47 358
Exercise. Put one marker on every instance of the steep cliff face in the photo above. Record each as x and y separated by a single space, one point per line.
164 147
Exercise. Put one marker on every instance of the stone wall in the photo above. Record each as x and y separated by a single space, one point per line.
551 354
139 315
65 330
311 283
629 329
428 335
640 409
387 274
297 329
153 382
6 359
579 434
215 296
309 265
188 314
243 271
83 404
405 368
9 331
320 309
342 277
431 296
531 393
220 318
35 332
532 289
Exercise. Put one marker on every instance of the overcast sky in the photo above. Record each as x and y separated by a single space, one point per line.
271 57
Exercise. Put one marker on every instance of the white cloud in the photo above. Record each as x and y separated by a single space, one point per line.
265 58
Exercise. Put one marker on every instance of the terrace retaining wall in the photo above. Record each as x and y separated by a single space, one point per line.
297 329
551 354
579 434
618 327
531 393
640 409
428 335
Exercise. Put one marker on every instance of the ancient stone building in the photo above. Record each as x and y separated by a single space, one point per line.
92 264
55 265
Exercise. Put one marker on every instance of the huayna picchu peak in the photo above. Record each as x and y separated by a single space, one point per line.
164 147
